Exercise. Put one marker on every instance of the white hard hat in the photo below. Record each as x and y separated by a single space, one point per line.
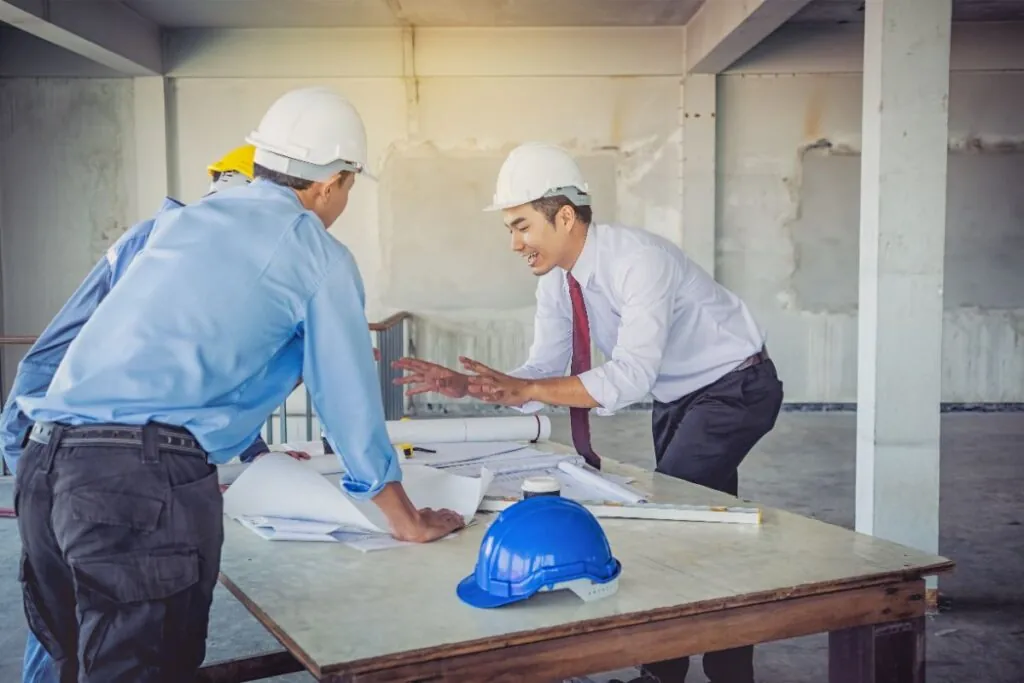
311 133
535 170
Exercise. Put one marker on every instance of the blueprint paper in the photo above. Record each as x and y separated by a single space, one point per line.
278 487
324 464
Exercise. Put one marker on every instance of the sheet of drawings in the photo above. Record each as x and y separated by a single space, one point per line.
282 499
511 463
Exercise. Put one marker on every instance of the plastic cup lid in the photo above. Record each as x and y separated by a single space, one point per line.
541 485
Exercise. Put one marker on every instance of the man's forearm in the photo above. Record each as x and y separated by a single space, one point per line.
561 391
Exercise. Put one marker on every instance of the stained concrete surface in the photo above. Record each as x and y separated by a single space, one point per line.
806 466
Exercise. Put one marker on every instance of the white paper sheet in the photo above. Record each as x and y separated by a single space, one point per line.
280 529
321 463
278 487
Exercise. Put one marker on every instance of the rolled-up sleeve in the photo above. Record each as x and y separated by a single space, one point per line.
647 287
341 377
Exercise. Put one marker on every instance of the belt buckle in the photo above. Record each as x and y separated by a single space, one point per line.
41 432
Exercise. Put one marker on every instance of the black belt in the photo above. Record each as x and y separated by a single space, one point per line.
758 358
165 436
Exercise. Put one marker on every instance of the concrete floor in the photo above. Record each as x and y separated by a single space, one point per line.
806 466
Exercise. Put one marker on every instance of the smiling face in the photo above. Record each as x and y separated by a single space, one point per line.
545 243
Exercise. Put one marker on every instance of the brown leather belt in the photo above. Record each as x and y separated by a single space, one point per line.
758 358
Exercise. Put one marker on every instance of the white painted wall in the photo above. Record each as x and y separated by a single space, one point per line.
442 108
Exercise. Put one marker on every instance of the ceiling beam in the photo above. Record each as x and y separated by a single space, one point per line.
105 32
722 31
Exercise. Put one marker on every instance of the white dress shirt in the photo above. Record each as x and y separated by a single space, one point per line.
667 326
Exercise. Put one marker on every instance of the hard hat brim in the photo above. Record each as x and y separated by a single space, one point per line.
501 207
473 595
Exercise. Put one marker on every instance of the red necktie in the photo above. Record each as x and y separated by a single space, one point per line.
579 418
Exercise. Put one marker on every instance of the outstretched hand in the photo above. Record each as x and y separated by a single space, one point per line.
425 376
492 386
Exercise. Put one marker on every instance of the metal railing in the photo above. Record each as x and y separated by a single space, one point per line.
390 336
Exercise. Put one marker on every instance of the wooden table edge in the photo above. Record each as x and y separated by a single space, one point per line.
290 645
580 653
604 624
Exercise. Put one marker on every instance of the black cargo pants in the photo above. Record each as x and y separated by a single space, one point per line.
121 531
702 438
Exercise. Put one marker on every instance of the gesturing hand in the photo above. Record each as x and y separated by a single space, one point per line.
425 376
494 387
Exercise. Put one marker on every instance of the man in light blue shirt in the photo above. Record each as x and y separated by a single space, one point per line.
234 299
36 369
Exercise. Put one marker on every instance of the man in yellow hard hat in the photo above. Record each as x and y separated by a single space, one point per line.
233 169
36 369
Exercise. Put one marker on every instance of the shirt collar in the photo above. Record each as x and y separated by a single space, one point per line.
170 203
586 263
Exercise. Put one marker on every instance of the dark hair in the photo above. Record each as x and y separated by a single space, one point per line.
549 206
282 179
290 181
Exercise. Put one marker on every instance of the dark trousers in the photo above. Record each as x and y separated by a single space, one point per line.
702 438
120 554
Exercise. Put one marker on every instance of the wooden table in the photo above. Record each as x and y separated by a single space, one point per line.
685 589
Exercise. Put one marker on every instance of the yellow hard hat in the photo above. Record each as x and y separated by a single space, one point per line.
240 160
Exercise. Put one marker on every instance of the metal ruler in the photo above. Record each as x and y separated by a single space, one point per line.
659 511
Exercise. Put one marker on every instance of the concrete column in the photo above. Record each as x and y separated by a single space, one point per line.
698 176
151 167
902 238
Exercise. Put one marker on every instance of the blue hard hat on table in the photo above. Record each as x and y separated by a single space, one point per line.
539 544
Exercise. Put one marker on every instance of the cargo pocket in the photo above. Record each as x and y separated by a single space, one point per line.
36 613
134 606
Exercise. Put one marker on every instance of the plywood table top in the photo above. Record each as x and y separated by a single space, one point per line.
339 610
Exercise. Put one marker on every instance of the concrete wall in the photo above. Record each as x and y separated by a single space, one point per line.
444 106
68 153
788 228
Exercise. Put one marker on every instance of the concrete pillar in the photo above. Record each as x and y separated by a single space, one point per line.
698 176
902 238
151 167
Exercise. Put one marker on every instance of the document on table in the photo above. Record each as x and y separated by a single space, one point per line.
284 499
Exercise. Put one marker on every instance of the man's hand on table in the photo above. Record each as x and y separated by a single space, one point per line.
409 524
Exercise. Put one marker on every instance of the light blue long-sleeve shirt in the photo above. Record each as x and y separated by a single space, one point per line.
233 300
37 367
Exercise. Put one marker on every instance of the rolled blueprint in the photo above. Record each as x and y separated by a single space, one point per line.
613 491
456 430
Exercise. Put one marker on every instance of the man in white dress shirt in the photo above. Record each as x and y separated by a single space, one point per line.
670 330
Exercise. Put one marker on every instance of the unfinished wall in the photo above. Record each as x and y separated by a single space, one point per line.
67 144
788 220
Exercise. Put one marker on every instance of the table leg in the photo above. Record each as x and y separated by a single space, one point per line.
879 653
253 668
